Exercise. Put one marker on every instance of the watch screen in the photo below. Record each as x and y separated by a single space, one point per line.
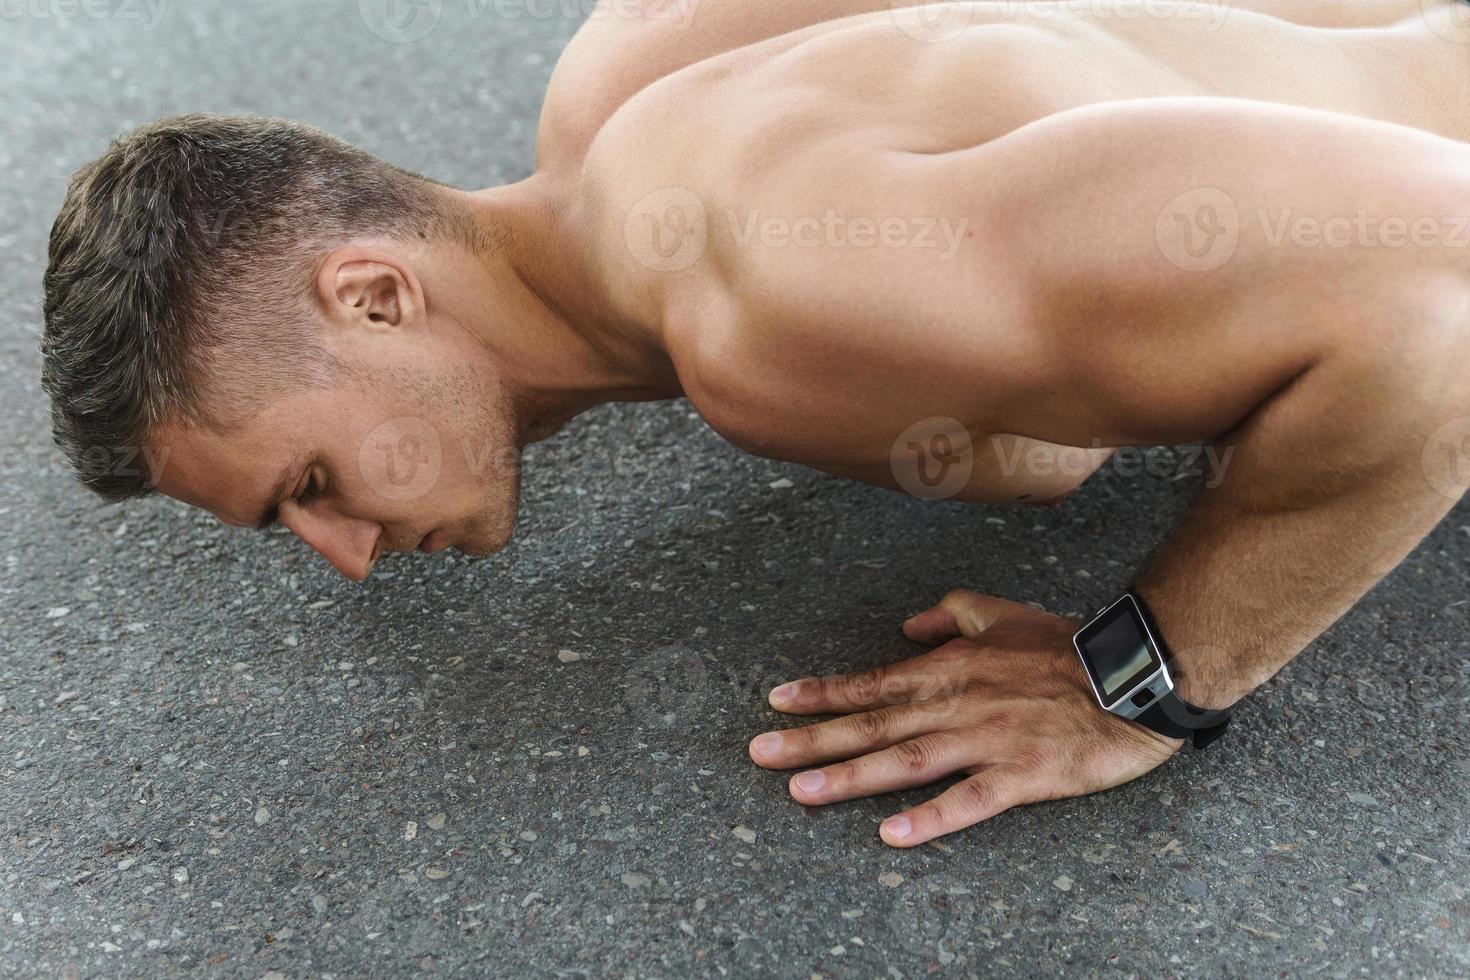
1117 651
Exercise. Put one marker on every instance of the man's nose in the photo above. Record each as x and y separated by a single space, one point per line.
349 543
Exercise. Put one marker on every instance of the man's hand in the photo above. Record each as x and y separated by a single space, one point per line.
1005 701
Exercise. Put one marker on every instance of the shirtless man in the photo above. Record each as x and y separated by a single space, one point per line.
1153 223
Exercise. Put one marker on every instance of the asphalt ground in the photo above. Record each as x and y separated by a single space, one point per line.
218 757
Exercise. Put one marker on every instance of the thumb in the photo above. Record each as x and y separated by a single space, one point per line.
961 613
932 626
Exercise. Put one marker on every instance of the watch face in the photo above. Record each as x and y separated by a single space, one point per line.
1118 651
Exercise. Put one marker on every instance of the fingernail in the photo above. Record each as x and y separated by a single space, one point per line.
767 744
811 782
898 827
786 692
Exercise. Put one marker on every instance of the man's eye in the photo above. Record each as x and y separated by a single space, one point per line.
311 491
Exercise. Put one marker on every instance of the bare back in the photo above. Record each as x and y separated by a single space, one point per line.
927 81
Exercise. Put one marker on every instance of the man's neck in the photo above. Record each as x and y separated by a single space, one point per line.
544 315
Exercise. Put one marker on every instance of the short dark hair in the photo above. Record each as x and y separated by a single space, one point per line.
190 243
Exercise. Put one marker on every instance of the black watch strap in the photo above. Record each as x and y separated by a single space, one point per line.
1171 715
1175 717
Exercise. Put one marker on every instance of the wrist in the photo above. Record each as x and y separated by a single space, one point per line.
1203 674
1197 683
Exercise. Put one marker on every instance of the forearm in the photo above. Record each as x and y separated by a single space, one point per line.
1349 453
1329 485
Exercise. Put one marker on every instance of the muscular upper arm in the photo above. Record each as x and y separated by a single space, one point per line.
1133 272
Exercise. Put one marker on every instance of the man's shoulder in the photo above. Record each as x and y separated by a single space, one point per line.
627 45
619 50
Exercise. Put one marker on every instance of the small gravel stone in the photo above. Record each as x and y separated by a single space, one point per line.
781 484
634 880
1363 799
890 879
436 822
318 905
745 834
126 863
436 874
56 612
1062 883
262 817
568 656
410 831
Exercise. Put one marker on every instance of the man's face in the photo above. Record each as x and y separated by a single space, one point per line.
421 458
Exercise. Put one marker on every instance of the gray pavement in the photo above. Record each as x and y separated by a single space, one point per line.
219 757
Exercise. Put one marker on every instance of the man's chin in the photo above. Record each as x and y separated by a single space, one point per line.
481 545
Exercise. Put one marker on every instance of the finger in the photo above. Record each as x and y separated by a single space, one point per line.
917 762
880 687
964 804
850 735
960 613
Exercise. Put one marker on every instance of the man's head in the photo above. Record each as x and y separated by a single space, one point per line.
254 317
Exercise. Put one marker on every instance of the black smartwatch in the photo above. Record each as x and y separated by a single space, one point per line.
1127 662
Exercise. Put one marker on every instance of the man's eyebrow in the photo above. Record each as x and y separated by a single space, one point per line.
272 507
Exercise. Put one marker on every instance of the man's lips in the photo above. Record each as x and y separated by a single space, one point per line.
434 542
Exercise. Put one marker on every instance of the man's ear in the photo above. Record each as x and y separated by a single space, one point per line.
369 288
